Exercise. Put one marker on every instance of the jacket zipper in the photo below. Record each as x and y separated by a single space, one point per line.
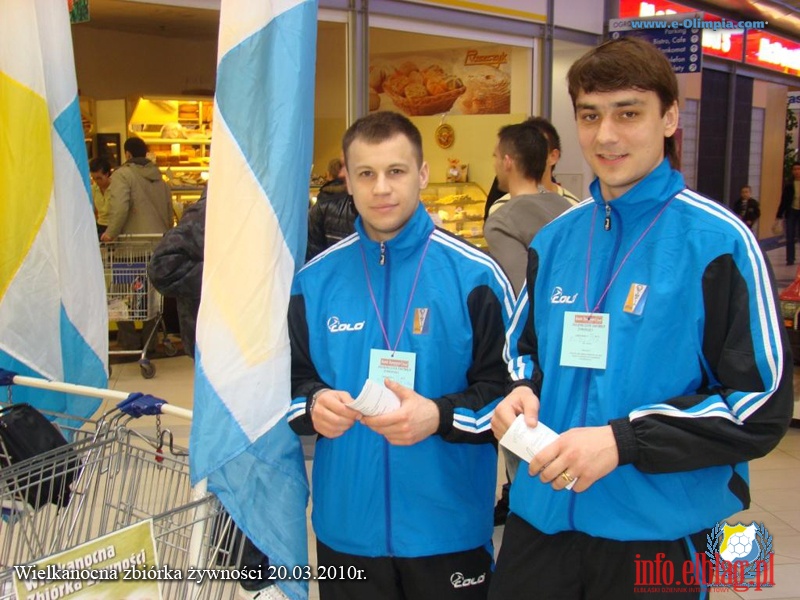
585 403
387 486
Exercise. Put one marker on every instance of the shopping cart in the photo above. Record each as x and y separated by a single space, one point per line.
119 477
130 295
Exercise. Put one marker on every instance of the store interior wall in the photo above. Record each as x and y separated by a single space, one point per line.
112 64
330 106
772 97
572 166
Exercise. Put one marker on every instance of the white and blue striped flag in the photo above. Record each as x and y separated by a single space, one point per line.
255 242
53 316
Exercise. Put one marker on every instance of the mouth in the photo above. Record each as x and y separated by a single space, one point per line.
611 158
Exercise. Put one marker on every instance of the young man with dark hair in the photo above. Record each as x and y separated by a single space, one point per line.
405 497
553 155
648 336
520 161
547 179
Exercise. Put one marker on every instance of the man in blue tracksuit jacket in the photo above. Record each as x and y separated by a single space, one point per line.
404 498
648 335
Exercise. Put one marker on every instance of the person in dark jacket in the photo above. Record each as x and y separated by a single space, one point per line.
747 207
176 268
333 216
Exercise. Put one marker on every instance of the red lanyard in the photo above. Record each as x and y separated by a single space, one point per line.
410 297
624 260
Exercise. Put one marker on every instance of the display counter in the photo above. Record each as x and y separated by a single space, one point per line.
457 207
178 135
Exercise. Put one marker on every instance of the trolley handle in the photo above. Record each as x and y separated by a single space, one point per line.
136 401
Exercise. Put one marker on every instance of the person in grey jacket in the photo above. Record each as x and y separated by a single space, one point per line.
140 201
520 160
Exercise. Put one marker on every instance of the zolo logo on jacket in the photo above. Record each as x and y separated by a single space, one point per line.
336 326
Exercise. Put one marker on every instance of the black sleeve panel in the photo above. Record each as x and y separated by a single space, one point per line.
305 379
486 376
742 426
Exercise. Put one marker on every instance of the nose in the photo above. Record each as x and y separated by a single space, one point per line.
606 131
381 184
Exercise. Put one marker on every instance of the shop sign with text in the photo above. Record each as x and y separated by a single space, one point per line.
722 43
773 52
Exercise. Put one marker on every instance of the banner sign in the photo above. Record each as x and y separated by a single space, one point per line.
681 45
467 81
117 565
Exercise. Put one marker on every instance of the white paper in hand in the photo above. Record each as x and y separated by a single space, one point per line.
375 399
526 442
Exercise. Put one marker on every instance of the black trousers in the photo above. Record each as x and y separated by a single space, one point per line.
575 566
791 228
457 576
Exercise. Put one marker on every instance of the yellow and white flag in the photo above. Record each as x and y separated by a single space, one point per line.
53 316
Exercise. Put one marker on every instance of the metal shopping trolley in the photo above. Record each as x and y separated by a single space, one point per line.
119 477
131 296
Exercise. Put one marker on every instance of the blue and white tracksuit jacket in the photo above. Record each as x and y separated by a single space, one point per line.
699 372
371 498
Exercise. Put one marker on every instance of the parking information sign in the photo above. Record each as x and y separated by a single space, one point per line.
682 45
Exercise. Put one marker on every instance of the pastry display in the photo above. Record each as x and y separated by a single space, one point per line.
488 91
417 91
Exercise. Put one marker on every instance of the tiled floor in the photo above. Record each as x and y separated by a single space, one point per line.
775 479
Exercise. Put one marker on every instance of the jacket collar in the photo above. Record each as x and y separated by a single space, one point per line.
658 187
407 242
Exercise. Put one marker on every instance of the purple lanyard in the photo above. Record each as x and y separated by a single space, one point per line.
624 260
410 298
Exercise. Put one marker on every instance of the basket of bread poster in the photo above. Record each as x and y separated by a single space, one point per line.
427 91
488 92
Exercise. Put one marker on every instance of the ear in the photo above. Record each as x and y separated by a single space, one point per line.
424 172
508 163
671 118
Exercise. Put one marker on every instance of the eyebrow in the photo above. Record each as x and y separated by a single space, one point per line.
618 104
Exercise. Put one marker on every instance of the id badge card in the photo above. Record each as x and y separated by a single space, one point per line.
584 341
397 366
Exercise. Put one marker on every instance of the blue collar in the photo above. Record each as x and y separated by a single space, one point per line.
407 242
661 184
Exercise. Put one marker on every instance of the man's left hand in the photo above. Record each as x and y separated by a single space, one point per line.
416 419
584 453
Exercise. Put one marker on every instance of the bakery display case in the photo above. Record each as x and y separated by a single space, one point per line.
457 207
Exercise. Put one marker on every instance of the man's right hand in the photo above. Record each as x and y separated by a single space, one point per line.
521 400
330 415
